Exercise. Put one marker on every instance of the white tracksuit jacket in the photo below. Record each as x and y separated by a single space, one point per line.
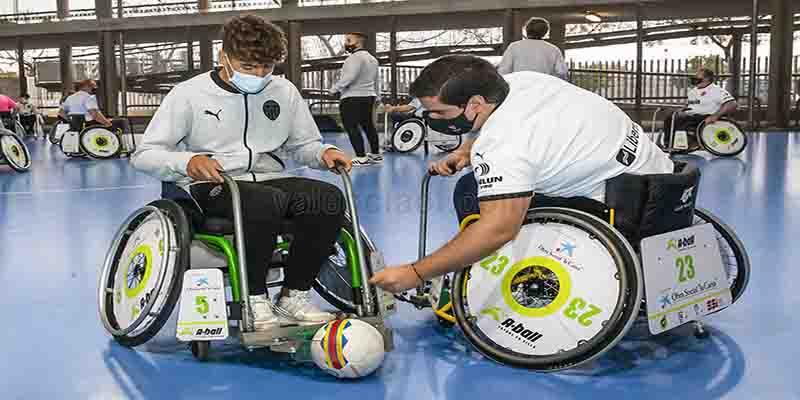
244 133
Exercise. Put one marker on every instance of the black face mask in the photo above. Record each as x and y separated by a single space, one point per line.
93 91
350 48
695 80
457 126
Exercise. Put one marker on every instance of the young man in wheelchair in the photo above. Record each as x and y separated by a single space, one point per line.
707 103
537 133
233 119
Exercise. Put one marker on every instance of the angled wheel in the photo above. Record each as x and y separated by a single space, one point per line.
408 135
723 138
562 293
143 271
734 256
100 143
15 152
56 132
335 280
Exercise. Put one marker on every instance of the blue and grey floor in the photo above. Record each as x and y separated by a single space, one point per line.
57 220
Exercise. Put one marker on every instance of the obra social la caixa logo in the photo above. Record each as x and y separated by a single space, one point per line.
680 244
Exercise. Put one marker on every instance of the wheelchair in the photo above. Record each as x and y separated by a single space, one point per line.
724 138
570 286
11 121
94 141
147 270
413 132
13 151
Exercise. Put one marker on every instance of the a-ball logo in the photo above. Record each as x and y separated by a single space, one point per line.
518 331
681 243
482 169
208 332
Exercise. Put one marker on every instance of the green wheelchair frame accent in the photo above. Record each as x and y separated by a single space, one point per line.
221 244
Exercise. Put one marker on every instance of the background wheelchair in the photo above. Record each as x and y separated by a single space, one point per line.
572 283
143 273
409 134
13 151
724 138
95 141
11 121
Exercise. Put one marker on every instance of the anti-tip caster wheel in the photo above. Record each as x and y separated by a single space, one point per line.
200 349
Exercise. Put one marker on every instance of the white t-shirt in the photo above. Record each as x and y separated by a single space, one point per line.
418 108
80 103
707 100
556 139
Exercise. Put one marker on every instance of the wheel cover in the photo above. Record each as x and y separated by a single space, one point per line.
14 151
135 277
722 137
100 142
559 295
408 136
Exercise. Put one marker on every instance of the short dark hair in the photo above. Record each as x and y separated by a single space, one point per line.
457 78
254 39
536 28
708 74
25 96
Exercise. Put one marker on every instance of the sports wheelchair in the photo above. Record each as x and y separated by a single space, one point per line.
409 134
724 138
13 151
148 270
11 121
581 272
95 141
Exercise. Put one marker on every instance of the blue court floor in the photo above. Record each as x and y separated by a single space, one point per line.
57 220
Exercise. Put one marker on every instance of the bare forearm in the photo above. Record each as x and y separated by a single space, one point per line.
727 109
468 247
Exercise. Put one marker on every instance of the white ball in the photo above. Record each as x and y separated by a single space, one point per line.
348 348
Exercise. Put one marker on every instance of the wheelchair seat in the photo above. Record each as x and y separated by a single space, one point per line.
76 122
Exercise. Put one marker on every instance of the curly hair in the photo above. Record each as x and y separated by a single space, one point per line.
251 38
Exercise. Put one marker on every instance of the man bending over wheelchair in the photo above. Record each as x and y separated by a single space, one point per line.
707 102
232 119
537 133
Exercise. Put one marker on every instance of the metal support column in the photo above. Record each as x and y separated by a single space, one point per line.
294 61
108 74
639 56
751 96
123 67
558 33
780 63
393 60
736 65
64 51
23 79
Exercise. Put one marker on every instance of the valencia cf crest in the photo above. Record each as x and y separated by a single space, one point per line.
271 109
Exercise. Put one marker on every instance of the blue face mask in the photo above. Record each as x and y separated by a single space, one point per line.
246 83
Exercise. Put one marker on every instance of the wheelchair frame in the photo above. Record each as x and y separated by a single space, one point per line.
19 146
424 142
372 304
440 294
660 138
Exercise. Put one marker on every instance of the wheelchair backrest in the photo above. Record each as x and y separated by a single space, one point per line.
648 205
76 122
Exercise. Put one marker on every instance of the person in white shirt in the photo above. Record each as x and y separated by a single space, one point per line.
534 53
403 112
235 119
27 112
538 133
84 102
707 102
358 88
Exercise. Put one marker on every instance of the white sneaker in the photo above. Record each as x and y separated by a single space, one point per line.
298 306
361 161
261 313
375 158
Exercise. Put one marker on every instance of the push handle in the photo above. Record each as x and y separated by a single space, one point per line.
238 230
366 288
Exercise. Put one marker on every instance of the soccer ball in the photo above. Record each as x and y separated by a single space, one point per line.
348 348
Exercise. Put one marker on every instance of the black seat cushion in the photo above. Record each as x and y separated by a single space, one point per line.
216 226
585 204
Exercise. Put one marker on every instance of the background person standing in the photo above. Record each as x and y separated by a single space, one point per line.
534 53
359 88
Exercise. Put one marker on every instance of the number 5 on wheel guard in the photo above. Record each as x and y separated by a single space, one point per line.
203 313
684 277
